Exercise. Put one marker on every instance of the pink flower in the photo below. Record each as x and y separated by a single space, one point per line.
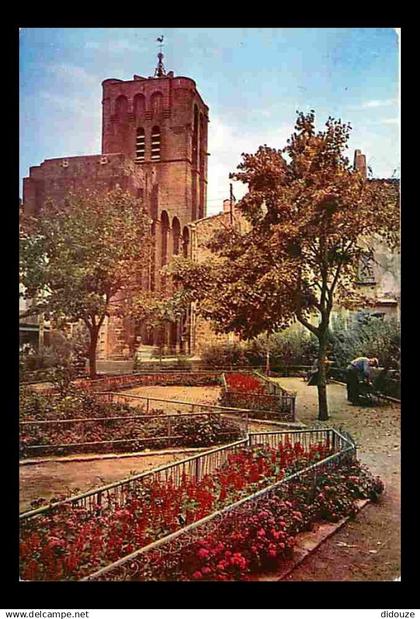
203 553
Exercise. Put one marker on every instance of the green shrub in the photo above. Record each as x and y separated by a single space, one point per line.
366 336
225 355
62 351
292 346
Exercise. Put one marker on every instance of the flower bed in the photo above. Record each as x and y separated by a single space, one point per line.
126 381
246 545
72 404
70 542
154 430
242 390
245 383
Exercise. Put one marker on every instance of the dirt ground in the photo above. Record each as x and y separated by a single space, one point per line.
50 479
367 548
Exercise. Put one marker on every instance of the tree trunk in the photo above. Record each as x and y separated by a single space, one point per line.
94 332
322 376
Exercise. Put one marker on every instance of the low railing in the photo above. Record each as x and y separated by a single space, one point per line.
288 398
179 405
179 408
277 403
205 376
195 468
168 424
144 562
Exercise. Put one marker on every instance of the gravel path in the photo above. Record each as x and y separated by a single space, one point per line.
367 548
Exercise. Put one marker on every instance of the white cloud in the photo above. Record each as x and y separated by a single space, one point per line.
378 103
373 103
73 73
121 45
228 141
389 121
226 144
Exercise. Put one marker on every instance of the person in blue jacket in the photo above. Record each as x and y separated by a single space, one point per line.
359 370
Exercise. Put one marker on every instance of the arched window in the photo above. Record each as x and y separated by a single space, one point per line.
153 258
176 234
155 143
157 103
164 228
139 106
202 143
195 138
140 144
121 106
366 270
185 241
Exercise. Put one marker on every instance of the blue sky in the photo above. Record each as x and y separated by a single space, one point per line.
252 79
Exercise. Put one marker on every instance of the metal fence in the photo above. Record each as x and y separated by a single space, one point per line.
277 403
177 405
146 434
164 376
139 564
173 410
143 564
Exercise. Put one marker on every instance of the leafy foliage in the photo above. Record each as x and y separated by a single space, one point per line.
309 217
224 355
64 349
75 260
70 541
368 337
134 435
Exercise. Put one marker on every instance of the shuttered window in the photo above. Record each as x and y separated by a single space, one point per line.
140 145
155 143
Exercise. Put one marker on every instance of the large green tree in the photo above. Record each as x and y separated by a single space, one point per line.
84 260
308 219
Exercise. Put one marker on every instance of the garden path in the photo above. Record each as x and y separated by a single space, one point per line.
367 548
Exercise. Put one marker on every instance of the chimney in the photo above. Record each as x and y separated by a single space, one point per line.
360 162
226 206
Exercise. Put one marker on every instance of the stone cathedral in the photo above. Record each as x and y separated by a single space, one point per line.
154 145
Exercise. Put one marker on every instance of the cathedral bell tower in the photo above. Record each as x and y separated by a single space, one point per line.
160 124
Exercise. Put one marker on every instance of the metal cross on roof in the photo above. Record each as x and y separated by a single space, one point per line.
160 69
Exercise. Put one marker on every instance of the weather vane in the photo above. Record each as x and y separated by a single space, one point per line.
160 69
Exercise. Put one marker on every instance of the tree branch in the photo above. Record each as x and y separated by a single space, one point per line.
306 323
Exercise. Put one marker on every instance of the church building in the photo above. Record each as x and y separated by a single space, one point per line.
154 145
